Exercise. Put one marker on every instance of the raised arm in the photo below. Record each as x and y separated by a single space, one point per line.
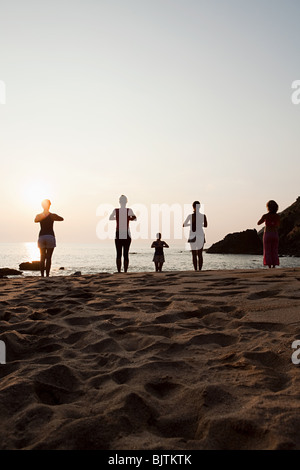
131 215
165 245
113 215
39 217
57 218
261 220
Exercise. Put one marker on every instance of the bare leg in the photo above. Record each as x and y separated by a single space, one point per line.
119 263
156 266
118 244
126 254
48 260
194 253
126 264
200 259
42 261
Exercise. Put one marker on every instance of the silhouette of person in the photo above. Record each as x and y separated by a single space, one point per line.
46 240
122 216
159 257
196 221
270 237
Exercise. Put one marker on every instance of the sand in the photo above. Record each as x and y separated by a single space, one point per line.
151 361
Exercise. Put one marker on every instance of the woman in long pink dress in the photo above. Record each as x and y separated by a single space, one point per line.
271 237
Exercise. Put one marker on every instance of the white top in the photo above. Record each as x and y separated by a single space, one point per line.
199 232
122 221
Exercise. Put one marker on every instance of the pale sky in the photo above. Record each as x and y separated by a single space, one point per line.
166 101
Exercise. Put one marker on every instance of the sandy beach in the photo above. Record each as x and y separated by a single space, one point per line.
172 360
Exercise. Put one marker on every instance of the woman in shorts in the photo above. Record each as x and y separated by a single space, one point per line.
46 240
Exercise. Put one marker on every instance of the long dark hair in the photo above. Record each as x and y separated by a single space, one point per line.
196 204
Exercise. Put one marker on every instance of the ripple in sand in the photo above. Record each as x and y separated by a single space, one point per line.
264 294
106 344
219 339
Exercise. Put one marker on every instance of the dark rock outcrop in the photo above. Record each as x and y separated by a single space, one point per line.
9 272
247 242
30 266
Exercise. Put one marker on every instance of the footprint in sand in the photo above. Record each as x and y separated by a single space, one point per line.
162 388
54 310
5 315
245 434
170 368
57 385
265 358
219 339
15 397
275 382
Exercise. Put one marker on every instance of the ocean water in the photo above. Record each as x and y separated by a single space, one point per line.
100 257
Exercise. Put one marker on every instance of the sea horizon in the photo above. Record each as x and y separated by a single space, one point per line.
93 258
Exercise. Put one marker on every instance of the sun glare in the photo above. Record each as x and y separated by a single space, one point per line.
32 251
35 193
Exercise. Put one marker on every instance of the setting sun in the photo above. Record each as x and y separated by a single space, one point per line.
36 192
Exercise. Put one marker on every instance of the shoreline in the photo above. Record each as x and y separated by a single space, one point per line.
64 272
177 360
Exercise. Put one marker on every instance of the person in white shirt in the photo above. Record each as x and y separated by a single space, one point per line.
122 216
196 221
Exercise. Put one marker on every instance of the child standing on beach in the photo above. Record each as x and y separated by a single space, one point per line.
159 257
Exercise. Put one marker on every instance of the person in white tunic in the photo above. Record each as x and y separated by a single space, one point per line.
196 221
122 216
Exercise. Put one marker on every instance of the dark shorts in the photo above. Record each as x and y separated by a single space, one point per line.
46 241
